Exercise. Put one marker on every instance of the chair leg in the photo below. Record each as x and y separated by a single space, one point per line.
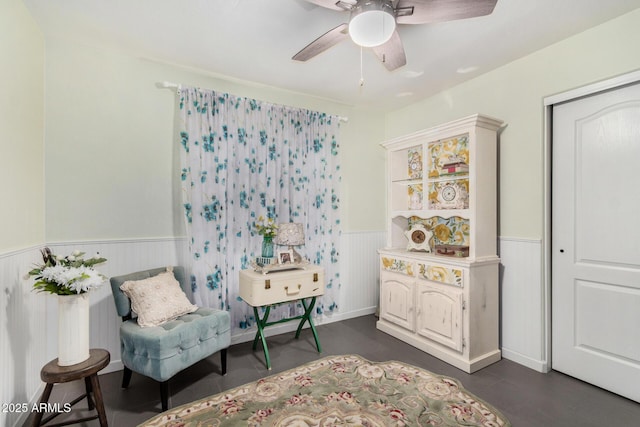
99 404
126 377
164 395
44 399
89 389
223 360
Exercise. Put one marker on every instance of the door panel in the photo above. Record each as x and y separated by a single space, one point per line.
616 308
596 240
439 315
607 155
396 300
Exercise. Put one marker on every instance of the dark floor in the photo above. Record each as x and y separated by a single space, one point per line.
525 397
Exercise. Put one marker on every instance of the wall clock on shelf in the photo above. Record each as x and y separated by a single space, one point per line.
450 195
419 238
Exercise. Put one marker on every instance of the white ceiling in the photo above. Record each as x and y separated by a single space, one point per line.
254 40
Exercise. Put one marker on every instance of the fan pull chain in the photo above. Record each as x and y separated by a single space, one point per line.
361 74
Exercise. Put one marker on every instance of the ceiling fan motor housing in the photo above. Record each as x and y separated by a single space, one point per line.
372 22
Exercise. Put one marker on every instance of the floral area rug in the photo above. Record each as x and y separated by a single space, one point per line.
340 391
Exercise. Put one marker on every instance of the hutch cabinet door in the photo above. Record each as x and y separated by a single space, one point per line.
439 316
396 300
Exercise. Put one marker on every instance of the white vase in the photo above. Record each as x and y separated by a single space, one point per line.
73 329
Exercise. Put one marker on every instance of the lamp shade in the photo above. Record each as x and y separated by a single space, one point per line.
290 233
372 23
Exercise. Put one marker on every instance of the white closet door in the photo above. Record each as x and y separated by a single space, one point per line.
596 240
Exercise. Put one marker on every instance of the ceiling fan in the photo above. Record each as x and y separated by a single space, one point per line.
373 23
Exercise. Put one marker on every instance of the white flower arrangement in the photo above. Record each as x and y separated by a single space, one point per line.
267 228
68 275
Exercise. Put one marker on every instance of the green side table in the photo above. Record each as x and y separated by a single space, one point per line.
270 289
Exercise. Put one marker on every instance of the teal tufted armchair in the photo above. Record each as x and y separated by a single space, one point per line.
160 352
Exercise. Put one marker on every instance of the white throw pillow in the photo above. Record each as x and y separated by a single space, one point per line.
158 299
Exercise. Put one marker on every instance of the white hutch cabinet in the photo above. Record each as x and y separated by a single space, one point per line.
439 271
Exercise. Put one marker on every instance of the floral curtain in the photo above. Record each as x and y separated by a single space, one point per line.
242 159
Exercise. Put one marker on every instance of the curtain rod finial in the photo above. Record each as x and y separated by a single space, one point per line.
168 85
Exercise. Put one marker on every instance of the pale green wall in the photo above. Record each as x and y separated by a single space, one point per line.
110 153
514 93
21 128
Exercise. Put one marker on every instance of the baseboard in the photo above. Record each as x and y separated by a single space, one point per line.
446 355
337 317
34 400
113 366
292 326
536 365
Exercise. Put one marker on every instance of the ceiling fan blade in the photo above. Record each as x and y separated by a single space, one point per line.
322 43
334 4
391 54
425 11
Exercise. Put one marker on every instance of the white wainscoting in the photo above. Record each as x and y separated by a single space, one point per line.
360 274
28 332
23 332
28 328
522 303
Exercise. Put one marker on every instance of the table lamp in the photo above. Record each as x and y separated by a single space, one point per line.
291 234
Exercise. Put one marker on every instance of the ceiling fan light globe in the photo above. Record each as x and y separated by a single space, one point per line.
372 23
